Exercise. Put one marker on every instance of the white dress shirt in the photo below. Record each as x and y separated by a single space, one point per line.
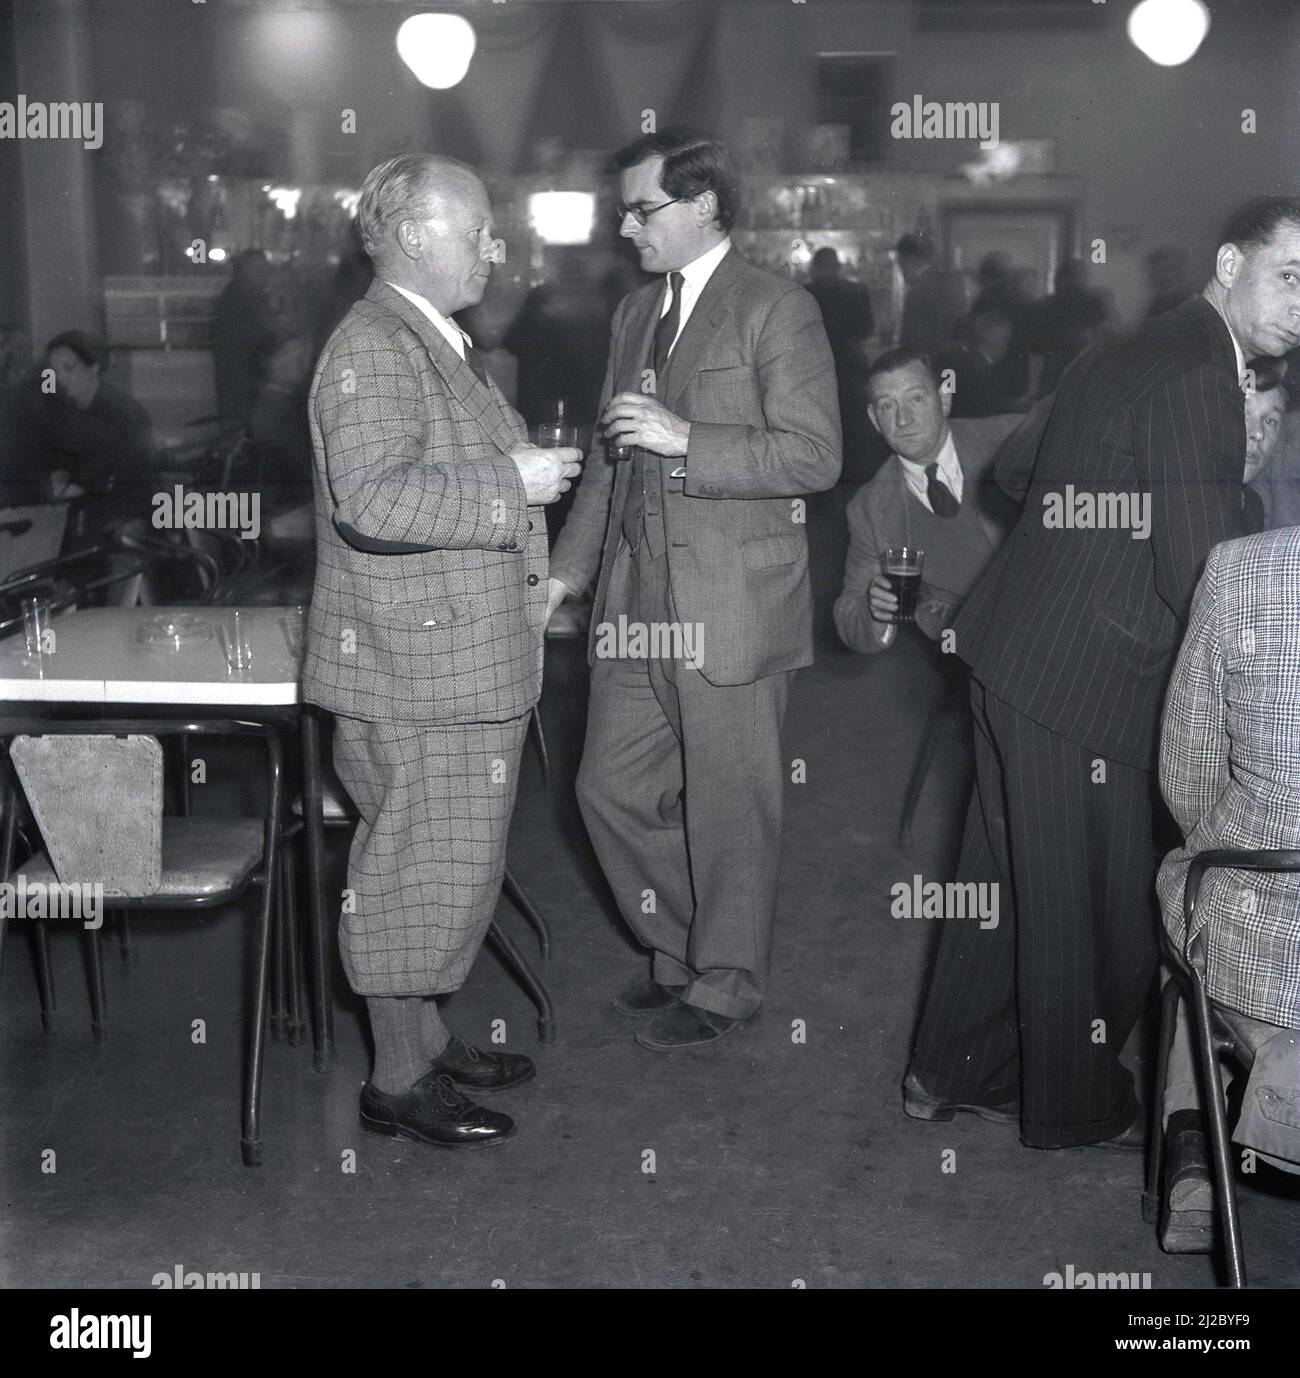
447 328
949 472
694 277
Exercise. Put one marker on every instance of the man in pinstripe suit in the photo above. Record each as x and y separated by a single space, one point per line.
1071 635
425 636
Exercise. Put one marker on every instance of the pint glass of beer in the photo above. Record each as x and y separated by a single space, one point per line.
901 566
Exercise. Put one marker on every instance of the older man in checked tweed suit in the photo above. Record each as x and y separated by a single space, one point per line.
425 637
1230 771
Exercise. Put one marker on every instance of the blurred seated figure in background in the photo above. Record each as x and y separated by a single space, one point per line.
1169 273
93 438
1271 496
278 423
245 331
1230 771
935 493
1069 321
850 324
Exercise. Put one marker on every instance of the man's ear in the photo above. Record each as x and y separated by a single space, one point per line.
706 203
408 238
945 399
871 412
1226 263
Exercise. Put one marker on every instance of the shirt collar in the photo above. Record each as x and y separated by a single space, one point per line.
447 328
699 270
1232 335
946 459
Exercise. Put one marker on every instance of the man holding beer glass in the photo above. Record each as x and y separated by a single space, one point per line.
922 530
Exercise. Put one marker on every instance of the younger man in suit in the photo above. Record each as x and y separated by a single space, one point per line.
932 494
702 529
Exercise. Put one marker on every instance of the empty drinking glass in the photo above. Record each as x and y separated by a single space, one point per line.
36 625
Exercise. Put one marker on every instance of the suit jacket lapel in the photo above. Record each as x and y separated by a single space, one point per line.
638 337
485 404
713 307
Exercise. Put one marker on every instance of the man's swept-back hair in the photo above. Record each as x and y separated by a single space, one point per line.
694 162
399 189
894 359
1252 226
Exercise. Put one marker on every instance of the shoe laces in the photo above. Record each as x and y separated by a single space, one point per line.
468 1049
447 1091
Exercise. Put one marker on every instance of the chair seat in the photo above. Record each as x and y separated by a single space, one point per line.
336 806
200 857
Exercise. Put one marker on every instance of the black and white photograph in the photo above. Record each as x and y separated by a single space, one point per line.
700 594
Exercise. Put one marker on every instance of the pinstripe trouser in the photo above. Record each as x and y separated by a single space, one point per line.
1042 1004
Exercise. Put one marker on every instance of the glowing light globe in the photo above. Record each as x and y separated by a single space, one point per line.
437 48
1169 31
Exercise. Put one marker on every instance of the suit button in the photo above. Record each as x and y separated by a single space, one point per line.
532 580
530 526
509 545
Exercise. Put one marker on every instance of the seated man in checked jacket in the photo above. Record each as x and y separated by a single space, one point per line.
1230 771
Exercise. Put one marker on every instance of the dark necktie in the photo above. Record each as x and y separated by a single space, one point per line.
666 330
941 496
475 361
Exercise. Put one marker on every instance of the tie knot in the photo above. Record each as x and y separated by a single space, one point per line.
932 471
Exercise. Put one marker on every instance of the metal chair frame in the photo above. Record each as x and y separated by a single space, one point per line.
1213 1039
265 876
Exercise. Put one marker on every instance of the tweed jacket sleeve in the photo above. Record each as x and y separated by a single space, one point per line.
853 620
392 492
1194 742
797 451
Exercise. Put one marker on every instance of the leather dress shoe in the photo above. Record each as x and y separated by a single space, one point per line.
646 997
433 1112
1134 1137
480 1071
1187 1216
920 1104
685 1026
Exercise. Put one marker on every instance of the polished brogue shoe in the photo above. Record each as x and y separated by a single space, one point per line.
920 1104
480 1071
685 1026
646 997
434 1112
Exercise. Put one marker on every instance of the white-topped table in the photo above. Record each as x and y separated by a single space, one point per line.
99 659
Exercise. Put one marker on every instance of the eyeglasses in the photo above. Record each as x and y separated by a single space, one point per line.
642 213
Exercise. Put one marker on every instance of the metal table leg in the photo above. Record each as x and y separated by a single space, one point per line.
313 830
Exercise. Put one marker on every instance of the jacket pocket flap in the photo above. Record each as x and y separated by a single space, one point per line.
772 550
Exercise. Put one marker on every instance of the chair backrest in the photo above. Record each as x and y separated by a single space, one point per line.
35 535
98 801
